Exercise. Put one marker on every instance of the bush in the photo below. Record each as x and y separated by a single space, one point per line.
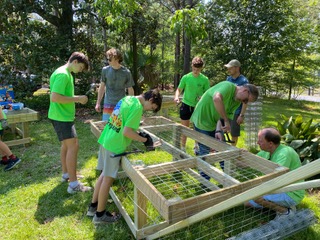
302 136
38 103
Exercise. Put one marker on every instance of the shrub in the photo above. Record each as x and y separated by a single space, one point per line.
302 136
38 103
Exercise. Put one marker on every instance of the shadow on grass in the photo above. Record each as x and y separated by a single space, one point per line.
58 203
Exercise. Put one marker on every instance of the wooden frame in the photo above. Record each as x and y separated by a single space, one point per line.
180 209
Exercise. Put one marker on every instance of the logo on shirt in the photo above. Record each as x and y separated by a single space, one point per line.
115 120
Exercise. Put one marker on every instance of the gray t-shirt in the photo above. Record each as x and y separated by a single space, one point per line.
116 80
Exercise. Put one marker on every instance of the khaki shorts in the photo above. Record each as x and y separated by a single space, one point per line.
109 165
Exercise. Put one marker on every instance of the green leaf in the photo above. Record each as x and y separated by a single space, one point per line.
297 143
298 121
282 130
293 128
288 138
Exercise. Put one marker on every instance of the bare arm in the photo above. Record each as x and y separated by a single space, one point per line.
130 91
58 98
101 92
243 111
130 133
176 95
218 103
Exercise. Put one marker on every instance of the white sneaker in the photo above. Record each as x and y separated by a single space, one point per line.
79 188
79 176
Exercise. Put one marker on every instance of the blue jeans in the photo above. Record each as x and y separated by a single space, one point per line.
281 199
203 149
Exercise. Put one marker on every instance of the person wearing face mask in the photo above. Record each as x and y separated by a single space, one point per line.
193 85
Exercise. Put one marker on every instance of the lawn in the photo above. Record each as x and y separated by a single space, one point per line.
36 205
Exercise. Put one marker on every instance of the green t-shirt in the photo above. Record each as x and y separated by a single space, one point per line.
61 81
4 117
205 115
193 88
127 113
287 157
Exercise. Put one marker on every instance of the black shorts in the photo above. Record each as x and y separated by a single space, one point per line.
186 111
64 130
235 127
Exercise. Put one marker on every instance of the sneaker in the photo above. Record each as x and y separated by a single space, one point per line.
79 176
106 218
79 188
91 211
12 163
2 162
291 211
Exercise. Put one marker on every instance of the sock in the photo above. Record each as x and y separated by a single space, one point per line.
65 175
100 214
4 158
109 214
73 184
94 204
12 157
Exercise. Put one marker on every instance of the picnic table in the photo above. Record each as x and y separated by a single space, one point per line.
19 121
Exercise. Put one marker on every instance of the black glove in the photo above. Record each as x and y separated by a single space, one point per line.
149 142
4 124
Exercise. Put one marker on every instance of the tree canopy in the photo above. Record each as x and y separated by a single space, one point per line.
277 41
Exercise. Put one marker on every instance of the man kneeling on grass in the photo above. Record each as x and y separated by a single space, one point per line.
116 136
284 204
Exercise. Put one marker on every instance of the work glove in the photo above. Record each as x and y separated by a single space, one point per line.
149 142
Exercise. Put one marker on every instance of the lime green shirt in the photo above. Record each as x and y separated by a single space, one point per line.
205 115
127 113
287 157
193 88
61 81
4 117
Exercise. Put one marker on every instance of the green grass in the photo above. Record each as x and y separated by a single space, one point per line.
36 205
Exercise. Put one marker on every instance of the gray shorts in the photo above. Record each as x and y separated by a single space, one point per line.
235 127
109 165
64 130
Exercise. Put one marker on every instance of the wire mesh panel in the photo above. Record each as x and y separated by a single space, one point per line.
154 192
253 121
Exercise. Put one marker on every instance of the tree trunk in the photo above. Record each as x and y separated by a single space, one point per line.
187 55
177 61
135 58
291 79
